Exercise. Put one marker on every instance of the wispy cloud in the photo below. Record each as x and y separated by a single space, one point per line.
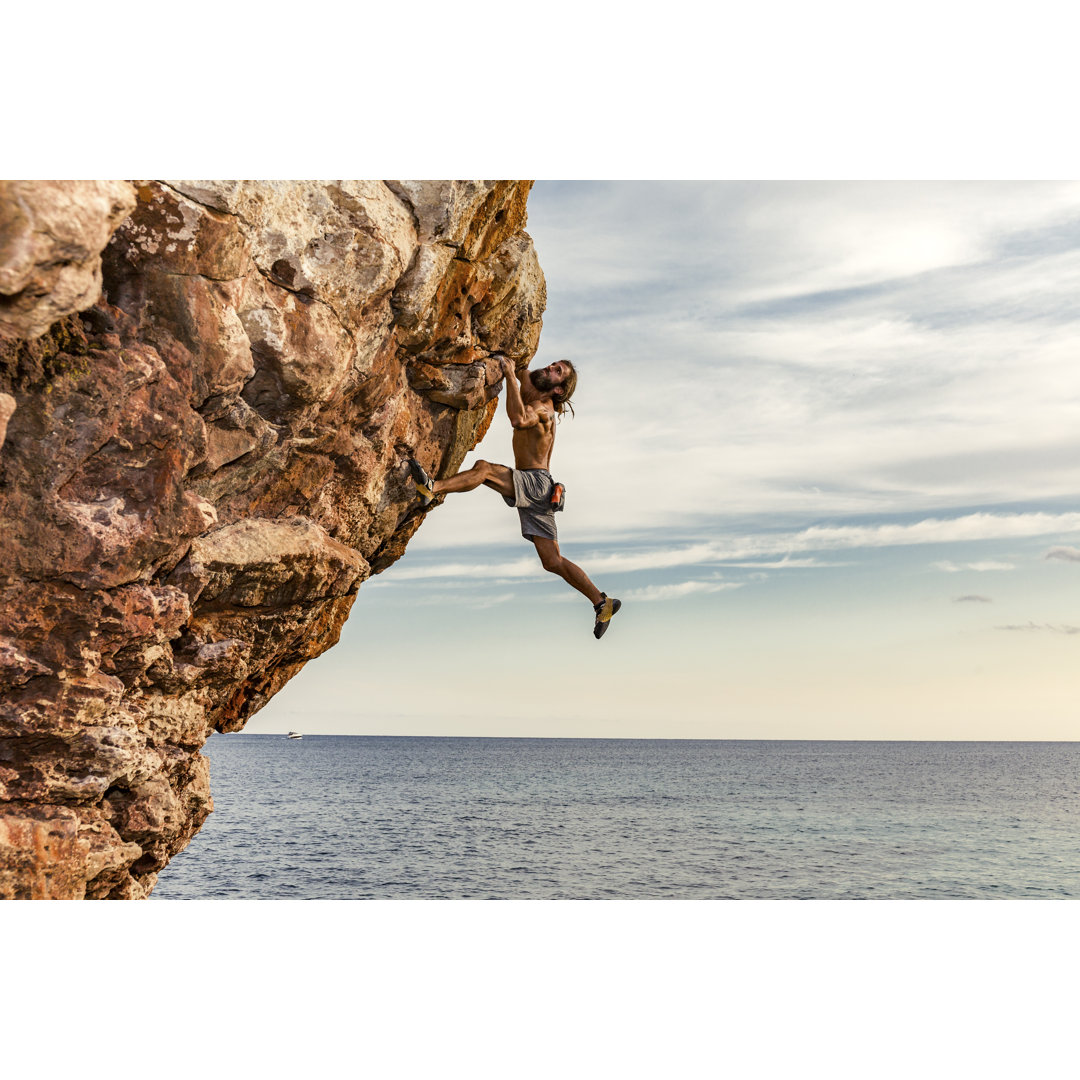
677 592
969 527
981 567
740 550
1067 554
1062 628
972 599
628 561
514 568
784 564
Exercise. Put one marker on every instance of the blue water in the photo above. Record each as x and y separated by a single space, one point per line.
353 817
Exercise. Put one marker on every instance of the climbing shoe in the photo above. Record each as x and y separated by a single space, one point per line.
425 486
604 611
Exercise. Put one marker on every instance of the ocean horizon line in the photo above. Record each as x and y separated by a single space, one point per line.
613 738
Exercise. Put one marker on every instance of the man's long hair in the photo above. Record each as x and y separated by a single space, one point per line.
567 386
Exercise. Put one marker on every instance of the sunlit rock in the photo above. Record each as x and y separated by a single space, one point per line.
202 460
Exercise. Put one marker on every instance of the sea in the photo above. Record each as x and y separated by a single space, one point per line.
369 818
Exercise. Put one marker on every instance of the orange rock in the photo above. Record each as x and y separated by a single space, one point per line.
203 466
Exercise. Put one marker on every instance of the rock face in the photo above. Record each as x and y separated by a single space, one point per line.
203 459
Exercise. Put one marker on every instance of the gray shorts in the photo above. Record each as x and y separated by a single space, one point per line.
532 497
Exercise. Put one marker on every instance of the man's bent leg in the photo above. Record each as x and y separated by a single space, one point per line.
494 476
571 573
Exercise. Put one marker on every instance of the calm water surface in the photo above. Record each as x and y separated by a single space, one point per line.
354 817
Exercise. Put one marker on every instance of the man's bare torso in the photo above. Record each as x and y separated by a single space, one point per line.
533 445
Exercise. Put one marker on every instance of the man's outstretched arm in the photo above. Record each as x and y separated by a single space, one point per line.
521 415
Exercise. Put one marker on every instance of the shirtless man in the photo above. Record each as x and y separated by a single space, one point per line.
532 400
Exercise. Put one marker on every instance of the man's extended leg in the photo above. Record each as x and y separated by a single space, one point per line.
494 476
557 563
498 477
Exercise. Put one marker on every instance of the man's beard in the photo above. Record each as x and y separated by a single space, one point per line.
542 381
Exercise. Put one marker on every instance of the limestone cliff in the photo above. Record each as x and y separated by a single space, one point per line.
208 393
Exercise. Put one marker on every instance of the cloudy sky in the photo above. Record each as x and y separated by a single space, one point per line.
825 451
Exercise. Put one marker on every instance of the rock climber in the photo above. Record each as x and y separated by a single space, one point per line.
533 400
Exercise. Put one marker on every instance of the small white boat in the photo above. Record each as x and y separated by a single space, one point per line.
294 735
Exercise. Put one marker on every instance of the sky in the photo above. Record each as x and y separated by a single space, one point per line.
824 451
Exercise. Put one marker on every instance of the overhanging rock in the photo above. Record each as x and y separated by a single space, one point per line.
208 393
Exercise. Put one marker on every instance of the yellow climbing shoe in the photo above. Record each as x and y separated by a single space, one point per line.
604 611
425 486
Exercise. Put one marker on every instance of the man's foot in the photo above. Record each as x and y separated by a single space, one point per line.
604 611
425 486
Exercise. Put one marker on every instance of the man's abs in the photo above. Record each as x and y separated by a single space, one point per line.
532 447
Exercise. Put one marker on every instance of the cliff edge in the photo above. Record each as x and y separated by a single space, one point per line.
208 394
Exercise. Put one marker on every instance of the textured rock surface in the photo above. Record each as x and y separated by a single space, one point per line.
51 236
201 465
